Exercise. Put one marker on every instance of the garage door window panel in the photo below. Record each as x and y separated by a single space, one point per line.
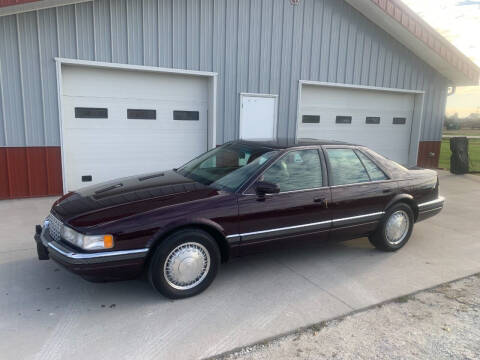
343 119
346 168
186 115
141 114
399 121
297 170
311 119
372 120
375 173
91 113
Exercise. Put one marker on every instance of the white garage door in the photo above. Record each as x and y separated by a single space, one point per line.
119 123
381 120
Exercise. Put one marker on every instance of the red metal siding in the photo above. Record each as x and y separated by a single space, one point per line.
4 3
30 172
428 154
4 190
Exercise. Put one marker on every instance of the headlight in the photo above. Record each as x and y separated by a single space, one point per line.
87 242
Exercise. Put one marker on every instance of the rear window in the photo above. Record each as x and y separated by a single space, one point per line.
373 170
346 167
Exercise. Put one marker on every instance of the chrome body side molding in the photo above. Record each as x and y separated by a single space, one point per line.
316 226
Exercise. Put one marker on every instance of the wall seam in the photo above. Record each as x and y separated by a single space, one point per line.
321 43
224 69
199 35
40 62
22 91
159 61
23 107
270 55
260 47
57 31
126 23
144 47
76 30
172 54
9 173
111 31
338 46
248 42
94 33
2 104
311 43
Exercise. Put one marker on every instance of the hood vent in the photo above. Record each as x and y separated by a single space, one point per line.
108 188
143 178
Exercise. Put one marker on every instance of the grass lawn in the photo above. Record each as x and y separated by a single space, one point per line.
462 132
473 152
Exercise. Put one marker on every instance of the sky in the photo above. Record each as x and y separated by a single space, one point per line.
459 22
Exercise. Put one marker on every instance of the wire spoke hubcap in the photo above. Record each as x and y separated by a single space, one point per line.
187 266
397 226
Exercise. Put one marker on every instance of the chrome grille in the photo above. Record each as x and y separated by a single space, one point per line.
54 227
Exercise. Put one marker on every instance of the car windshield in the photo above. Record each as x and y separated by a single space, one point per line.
227 167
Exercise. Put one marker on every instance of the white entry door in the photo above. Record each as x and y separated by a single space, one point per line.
258 117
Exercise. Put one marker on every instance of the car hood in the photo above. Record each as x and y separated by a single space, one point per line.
128 196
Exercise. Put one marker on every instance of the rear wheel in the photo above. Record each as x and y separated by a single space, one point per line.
395 229
184 264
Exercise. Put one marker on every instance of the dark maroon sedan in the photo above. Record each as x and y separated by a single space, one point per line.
179 225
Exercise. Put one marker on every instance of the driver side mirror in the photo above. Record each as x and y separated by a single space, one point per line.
264 187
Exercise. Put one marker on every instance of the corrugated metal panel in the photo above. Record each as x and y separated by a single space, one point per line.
31 79
150 32
66 32
48 46
2 122
165 28
11 80
255 46
102 33
135 32
231 33
118 21
84 30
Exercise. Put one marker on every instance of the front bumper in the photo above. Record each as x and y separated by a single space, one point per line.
430 208
102 265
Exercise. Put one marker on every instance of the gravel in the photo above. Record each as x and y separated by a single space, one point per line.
441 323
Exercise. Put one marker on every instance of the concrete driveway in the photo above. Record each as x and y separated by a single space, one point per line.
48 313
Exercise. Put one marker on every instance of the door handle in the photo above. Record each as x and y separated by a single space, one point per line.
387 191
321 200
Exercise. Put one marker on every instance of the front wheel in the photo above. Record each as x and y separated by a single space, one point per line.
395 229
184 264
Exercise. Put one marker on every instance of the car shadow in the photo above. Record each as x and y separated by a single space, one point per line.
49 282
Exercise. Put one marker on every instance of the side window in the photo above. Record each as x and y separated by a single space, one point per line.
297 170
373 170
346 167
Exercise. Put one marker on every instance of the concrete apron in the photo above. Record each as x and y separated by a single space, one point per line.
48 313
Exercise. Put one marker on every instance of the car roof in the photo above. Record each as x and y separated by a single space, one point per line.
283 144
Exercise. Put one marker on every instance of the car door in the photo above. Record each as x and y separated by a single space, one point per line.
298 211
360 192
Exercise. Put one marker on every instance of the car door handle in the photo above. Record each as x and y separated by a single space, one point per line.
387 191
321 200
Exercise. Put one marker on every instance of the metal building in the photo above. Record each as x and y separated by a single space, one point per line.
91 90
